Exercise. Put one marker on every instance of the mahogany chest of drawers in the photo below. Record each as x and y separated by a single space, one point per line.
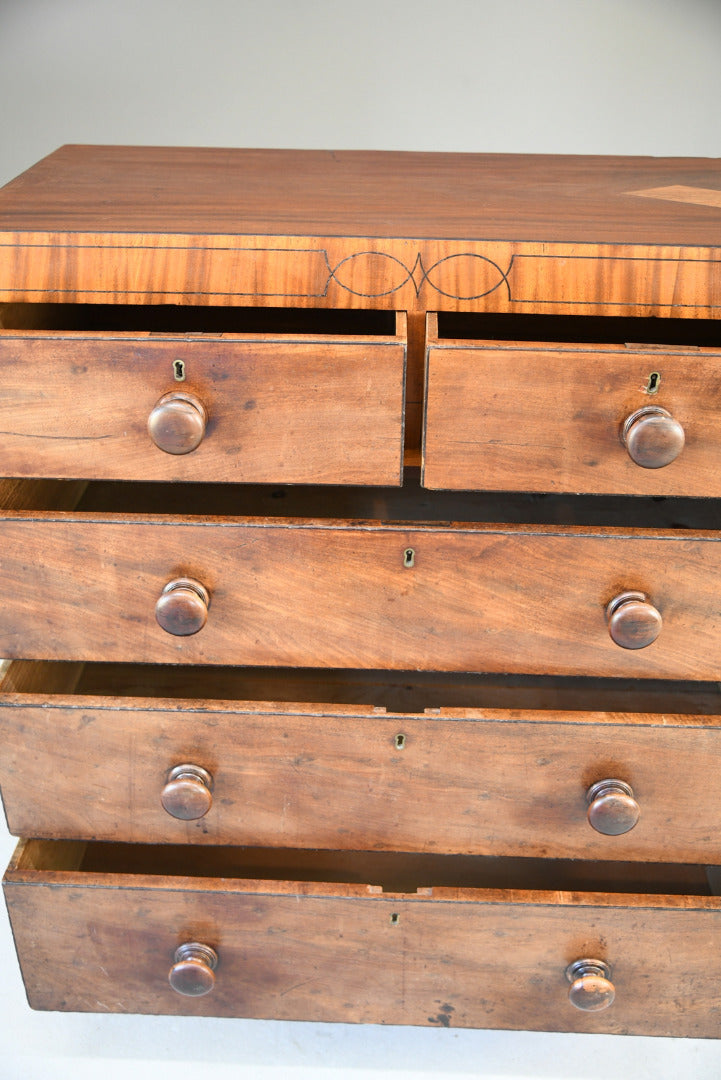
361 575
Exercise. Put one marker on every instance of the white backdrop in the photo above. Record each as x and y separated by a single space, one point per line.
562 76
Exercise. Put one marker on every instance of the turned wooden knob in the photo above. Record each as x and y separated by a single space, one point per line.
612 809
188 792
652 437
192 973
591 987
177 423
633 621
182 607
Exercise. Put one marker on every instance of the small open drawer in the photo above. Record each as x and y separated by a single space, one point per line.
202 394
290 935
575 404
581 768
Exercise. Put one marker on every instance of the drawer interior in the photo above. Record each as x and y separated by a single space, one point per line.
391 691
579 329
190 319
410 503
195 319
394 872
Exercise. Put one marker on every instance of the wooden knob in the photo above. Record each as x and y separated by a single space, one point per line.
192 973
652 437
182 607
177 423
188 793
612 809
591 987
633 621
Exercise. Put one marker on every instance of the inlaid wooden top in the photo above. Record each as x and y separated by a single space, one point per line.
407 231
510 197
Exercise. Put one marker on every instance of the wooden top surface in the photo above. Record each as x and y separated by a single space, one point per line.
96 189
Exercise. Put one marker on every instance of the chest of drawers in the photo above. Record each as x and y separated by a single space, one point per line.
361 572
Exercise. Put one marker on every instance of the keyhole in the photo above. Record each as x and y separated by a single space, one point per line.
654 381
409 557
179 370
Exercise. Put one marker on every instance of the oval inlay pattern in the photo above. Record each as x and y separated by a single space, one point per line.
387 273
465 276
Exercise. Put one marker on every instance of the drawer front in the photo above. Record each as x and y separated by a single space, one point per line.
343 778
519 417
317 594
256 409
302 951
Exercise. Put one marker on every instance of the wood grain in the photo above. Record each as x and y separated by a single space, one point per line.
335 777
520 417
411 275
281 408
444 957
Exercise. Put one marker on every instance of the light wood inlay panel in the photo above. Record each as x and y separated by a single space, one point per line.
696 196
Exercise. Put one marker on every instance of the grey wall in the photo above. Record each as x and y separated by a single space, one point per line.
565 76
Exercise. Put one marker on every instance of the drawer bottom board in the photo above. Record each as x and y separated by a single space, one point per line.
96 941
